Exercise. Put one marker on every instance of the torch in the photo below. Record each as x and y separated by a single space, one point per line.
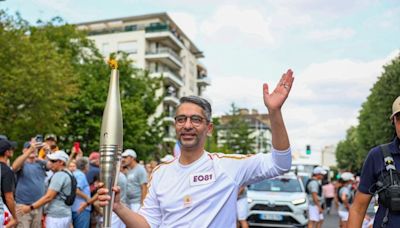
111 140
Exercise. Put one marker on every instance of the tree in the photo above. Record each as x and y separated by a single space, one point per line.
374 127
348 152
238 137
212 141
35 84
55 80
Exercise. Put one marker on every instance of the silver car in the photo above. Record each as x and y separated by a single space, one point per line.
278 202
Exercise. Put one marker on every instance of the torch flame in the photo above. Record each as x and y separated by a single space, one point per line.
113 63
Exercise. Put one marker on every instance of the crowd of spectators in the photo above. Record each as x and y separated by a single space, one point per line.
35 186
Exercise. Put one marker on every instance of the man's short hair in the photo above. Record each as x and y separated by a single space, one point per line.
82 163
203 103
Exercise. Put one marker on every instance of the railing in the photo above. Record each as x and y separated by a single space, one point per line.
127 28
164 51
160 27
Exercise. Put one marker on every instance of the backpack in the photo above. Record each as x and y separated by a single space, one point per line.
69 199
319 189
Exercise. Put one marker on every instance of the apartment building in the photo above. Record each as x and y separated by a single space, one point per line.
259 124
155 43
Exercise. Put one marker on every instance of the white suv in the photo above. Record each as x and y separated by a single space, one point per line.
278 202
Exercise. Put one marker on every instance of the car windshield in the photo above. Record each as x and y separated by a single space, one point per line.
277 185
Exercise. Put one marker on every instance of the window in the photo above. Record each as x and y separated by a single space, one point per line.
130 28
129 47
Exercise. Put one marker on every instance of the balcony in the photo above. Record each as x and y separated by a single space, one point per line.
169 119
171 100
203 81
170 78
162 34
165 56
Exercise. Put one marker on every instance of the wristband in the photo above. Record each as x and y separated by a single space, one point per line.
31 207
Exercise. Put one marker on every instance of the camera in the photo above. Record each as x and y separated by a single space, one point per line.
39 138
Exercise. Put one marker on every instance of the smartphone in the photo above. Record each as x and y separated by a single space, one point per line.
39 138
77 146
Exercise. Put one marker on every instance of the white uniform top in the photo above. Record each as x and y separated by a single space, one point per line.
204 193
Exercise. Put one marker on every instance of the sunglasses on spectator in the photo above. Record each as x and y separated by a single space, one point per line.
53 161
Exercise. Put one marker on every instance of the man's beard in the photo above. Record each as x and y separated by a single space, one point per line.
192 142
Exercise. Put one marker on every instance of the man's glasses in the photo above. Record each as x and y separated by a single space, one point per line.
195 120
53 161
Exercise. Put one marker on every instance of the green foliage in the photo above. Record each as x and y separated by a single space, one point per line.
348 152
238 137
35 84
374 125
212 141
55 80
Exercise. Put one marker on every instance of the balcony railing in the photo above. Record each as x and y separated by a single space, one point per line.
160 27
164 51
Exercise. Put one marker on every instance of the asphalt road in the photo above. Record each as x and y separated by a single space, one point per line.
331 220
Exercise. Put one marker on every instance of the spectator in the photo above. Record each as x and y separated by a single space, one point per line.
81 219
72 166
329 194
136 184
31 173
345 197
58 213
50 145
115 220
93 174
314 191
7 179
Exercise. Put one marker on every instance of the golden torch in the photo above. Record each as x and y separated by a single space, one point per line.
111 140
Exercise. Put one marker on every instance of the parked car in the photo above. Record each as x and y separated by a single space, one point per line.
278 202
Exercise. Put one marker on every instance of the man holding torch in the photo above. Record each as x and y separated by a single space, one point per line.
200 189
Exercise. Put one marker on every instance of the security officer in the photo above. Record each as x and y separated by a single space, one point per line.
374 168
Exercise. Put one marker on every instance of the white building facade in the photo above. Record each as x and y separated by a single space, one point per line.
258 123
155 43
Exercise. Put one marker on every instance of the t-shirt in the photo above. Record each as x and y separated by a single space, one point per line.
134 180
61 183
122 185
328 190
204 193
313 186
83 185
7 182
349 194
30 182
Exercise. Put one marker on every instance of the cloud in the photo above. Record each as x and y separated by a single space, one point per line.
331 34
323 104
231 21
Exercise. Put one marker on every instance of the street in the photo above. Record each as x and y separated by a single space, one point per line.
331 220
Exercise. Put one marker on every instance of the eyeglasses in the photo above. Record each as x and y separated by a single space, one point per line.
53 161
195 120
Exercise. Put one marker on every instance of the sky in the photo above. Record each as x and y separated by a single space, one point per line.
337 50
